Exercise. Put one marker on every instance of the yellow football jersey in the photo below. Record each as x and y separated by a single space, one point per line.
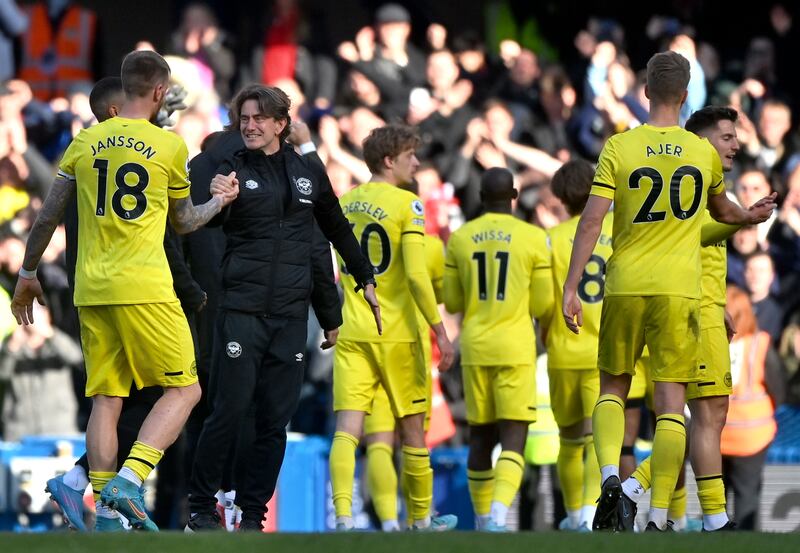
565 349
384 219
714 259
658 178
126 170
434 262
497 268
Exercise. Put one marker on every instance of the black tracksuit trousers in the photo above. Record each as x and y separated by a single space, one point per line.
258 362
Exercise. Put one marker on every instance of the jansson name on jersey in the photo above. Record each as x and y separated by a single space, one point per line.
121 141
665 149
492 234
366 207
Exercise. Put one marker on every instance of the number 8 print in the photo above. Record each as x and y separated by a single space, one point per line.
123 189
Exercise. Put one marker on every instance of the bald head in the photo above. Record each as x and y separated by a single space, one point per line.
497 186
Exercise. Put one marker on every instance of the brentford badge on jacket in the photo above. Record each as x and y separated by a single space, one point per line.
303 185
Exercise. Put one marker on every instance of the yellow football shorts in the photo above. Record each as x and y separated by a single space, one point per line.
147 344
381 419
496 393
573 393
359 367
668 325
715 365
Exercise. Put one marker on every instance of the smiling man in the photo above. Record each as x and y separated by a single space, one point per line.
267 279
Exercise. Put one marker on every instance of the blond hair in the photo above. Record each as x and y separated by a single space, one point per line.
667 77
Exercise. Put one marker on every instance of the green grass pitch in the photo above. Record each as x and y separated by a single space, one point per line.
455 542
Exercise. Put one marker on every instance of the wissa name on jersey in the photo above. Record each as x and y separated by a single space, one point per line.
492 235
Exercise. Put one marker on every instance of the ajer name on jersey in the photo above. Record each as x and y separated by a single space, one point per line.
665 149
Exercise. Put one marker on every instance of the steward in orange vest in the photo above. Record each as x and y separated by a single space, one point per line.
750 426
57 54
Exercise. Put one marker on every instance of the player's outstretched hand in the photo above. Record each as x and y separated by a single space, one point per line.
446 350
572 310
330 338
762 209
22 304
226 187
372 300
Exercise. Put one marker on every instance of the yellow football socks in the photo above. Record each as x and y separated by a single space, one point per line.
508 477
677 505
642 474
418 477
142 460
669 445
99 481
570 472
342 464
711 493
481 490
382 480
591 473
608 425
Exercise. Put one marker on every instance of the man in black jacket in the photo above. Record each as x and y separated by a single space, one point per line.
267 277
205 250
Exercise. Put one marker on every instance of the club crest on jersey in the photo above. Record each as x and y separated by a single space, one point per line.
233 349
303 185
251 184
417 208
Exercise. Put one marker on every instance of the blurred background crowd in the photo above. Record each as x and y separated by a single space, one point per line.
521 85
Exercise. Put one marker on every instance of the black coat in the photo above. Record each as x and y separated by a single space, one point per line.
267 268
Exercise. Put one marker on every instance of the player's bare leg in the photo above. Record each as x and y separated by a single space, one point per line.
342 463
101 433
101 450
708 419
168 416
159 430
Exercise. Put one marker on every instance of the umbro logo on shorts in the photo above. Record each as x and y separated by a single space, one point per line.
233 349
298 357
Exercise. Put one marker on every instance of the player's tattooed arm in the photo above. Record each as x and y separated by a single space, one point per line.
48 219
187 217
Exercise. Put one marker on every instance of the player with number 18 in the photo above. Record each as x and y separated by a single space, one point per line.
128 175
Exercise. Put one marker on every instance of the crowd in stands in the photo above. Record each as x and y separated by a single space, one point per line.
478 103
